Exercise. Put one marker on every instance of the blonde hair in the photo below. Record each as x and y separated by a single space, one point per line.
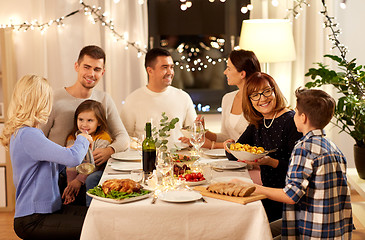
30 105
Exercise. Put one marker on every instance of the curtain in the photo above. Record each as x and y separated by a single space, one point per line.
54 53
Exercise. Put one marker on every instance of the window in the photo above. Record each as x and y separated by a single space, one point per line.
200 39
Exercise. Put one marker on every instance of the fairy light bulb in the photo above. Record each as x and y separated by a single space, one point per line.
275 3
189 4
244 10
183 7
250 7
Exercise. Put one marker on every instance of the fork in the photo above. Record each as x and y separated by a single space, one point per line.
154 199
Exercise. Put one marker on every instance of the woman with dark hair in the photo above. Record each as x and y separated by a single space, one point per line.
241 64
271 126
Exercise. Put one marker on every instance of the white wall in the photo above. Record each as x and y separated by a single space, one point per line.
351 21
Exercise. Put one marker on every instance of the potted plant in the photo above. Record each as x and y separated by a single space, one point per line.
349 80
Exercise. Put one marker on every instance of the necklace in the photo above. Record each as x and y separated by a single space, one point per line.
271 121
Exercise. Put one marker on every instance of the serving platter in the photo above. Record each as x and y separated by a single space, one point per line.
179 196
228 165
127 156
119 201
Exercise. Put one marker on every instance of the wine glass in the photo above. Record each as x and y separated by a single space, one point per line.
164 165
197 138
88 164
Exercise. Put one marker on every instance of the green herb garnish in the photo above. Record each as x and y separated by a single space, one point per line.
97 191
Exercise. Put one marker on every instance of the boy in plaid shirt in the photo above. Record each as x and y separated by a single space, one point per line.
316 196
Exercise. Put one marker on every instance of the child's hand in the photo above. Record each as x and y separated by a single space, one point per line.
72 188
68 199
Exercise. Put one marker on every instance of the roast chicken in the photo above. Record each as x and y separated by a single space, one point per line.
121 185
231 189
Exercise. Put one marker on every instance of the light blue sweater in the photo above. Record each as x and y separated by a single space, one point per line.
36 164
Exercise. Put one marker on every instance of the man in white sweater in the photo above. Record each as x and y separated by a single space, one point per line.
90 68
147 103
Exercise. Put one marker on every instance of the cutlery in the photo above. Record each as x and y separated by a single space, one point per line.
154 199
272 150
203 200
217 169
117 173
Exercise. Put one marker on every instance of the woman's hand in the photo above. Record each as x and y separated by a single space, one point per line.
269 161
225 144
88 137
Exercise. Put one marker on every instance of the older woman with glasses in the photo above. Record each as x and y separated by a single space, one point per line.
271 126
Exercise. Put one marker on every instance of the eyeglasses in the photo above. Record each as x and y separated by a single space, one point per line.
256 96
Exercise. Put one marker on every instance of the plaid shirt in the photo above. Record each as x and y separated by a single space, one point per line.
316 181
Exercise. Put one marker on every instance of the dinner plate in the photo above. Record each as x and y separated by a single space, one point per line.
196 183
180 145
227 179
179 196
127 156
110 200
125 166
228 165
219 152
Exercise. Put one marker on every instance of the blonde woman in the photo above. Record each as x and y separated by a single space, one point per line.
36 162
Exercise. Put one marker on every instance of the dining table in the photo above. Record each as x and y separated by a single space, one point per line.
210 219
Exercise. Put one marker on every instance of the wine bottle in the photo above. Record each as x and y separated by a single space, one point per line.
149 151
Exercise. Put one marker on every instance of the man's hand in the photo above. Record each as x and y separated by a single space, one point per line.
101 155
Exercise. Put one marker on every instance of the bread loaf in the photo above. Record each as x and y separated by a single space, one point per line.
231 189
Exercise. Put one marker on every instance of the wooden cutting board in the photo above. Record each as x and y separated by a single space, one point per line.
241 200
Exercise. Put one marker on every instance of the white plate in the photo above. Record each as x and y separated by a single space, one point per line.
227 179
219 152
110 200
125 166
228 165
196 183
179 196
127 156
180 145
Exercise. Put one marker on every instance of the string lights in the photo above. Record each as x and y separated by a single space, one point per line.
94 14
297 7
335 32
194 58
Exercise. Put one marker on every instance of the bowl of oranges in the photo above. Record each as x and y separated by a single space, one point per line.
246 152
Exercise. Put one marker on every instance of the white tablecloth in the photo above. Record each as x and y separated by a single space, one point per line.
216 219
